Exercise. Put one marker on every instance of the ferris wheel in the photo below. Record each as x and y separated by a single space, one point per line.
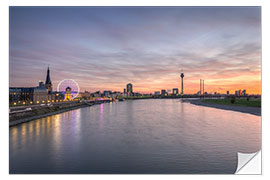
69 86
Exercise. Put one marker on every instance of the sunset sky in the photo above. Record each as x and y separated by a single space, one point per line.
104 48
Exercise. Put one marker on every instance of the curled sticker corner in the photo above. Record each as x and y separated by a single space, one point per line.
249 163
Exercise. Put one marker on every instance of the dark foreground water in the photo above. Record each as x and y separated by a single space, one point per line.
142 136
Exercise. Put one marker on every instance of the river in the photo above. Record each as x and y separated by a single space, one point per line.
139 136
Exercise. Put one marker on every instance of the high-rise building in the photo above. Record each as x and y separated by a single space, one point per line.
163 92
175 91
244 92
228 92
238 93
129 89
48 82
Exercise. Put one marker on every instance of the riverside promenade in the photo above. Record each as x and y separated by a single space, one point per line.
37 112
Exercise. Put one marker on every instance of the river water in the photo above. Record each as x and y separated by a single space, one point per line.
140 136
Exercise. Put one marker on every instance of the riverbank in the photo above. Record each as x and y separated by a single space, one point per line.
247 102
244 109
41 112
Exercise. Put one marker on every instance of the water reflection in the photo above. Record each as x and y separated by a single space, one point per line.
101 123
13 138
143 136
56 133
37 128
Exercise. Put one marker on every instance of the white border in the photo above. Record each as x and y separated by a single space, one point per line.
4 78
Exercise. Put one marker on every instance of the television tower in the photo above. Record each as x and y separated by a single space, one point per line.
182 82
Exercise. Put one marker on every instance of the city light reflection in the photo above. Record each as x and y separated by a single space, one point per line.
101 122
14 136
37 128
56 134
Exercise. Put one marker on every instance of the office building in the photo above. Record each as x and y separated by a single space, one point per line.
129 89
175 91
163 92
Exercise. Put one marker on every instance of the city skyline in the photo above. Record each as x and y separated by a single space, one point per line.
105 48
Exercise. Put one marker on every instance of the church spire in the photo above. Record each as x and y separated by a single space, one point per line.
48 82
48 78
